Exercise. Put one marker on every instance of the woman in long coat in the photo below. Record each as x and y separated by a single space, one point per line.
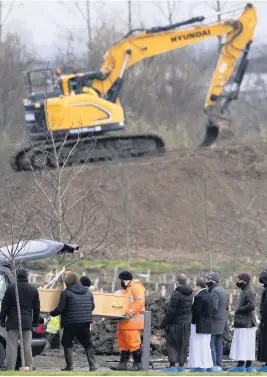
262 350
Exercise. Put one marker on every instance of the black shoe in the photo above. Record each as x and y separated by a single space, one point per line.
91 360
125 356
68 359
137 364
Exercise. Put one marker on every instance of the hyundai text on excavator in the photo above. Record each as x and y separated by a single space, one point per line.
88 103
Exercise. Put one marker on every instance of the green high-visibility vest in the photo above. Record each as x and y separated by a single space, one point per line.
53 325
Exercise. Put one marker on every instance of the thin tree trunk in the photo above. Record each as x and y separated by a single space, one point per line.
22 354
1 26
129 15
219 19
89 30
208 241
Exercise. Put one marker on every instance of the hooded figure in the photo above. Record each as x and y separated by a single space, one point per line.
75 307
243 347
219 318
177 323
129 328
262 350
30 311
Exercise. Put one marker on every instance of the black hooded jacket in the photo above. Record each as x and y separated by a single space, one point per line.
75 306
179 309
29 306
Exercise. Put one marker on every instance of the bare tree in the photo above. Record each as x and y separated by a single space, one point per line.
125 185
83 11
207 243
4 16
217 6
53 192
168 8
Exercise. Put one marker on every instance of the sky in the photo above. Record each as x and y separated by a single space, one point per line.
45 23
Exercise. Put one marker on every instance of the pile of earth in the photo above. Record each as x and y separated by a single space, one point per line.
104 332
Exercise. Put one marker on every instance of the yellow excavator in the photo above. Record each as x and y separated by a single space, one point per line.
87 104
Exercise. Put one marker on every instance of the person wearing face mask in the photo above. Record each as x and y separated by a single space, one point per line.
129 328
219 318
177 323
262 348
200 358
243 347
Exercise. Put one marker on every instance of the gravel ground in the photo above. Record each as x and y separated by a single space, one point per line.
53 360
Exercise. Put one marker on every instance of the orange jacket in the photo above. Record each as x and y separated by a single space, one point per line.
136 292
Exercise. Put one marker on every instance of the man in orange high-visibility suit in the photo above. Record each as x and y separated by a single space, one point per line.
129 329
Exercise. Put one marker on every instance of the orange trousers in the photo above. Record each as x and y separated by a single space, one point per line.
129 340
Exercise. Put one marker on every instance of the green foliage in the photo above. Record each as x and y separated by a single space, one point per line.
136 265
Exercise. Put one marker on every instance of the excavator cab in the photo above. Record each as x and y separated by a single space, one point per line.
40 85
40 81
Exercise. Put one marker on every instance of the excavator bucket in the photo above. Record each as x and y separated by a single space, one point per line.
217 129
212 133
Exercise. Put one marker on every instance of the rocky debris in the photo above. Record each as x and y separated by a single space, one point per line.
104 332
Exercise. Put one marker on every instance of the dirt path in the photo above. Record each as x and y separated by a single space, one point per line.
53 360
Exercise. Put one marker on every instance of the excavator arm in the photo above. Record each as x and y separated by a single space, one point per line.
100 106
134 48
90 101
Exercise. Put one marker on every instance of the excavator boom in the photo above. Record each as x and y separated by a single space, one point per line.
90 101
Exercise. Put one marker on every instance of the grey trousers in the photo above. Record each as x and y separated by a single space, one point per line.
12 348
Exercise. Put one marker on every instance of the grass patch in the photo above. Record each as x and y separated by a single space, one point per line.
137 265
108 373
141 266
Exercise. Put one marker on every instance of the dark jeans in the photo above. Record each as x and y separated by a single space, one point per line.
82 332
216 345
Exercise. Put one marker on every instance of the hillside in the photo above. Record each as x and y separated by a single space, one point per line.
170 218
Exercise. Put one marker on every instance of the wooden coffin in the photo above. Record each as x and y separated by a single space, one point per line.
110 305
49 299
106 304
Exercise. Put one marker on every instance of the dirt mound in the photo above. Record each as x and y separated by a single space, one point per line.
188 203
185 205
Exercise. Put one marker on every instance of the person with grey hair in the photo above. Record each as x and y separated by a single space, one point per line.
219 318
200 359
75 307
177 322
30 312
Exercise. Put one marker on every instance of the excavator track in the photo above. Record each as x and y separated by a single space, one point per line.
88 150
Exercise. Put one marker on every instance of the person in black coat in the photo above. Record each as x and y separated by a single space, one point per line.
243 346
30 313
75 307
200 358
262 348
177 323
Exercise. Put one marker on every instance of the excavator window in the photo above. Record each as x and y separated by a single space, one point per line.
41 81
77 83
